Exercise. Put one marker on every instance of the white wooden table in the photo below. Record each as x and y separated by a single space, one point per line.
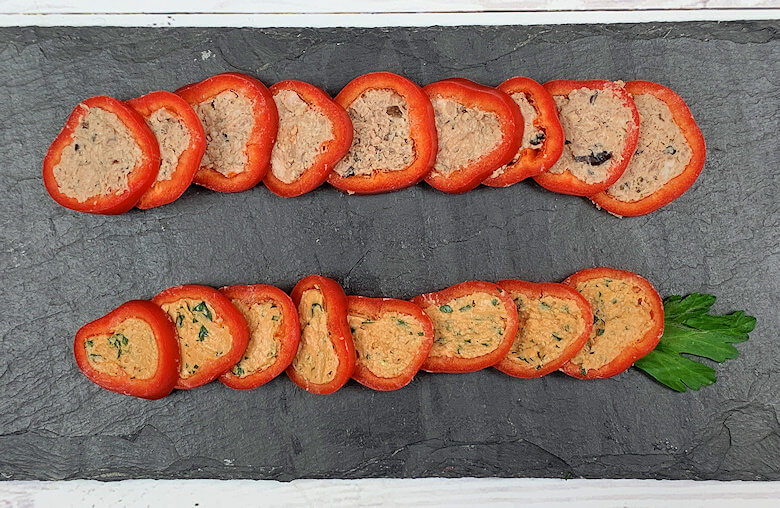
382 492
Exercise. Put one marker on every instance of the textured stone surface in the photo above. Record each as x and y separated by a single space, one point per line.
61 269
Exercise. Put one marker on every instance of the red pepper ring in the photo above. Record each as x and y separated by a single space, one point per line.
372 310
335 308
566 182
163 192
530 160
510 122
550 325
138 180
422 131
285 340
213 313
439 302
675 187
641 345
261 138
166 370
330 152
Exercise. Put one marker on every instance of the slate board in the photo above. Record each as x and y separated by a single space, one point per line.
61 269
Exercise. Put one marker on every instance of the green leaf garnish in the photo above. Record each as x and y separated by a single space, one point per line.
203 309
203 333
690 329
446 309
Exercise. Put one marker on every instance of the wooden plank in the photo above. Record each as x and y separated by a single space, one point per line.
361 6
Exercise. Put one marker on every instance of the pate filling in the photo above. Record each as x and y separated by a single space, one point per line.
302 136
533 136
228 120
468 326
662 152
596 125
264 321
465 134
316 359
621 316
382 134
386 345
172 136
101 155
548 325
202 334
130 350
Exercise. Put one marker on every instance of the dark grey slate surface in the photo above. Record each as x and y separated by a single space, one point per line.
61 269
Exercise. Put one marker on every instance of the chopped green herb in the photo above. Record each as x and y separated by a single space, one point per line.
420 333
465 307
314 306
446 309
203 309
689 328
116 341
274 318
556 337
565 309
89 343
583 371
401 322
238 370
203 333
600 332
543 305
179 319
367 322
494 301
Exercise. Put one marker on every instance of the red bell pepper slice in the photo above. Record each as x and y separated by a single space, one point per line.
422 131
510 124
330 152
404 330
263 305
163 192
675 187
566 182
555 321
261 137
619 299
453 311
139 179
212 333
111 359
539 153
322 310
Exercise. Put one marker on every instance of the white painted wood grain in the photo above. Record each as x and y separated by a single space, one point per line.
358 6
392 492
385 20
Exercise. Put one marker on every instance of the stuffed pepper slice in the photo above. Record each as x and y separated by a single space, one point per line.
131 350
212 333
182 143
394 141
325 359
542 142
554 323
601 125
104 159
628 321
273 334
474 325
669 154
314 134
240 119
479 130
392 340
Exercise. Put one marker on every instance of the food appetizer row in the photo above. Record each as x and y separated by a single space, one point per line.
595 324
629 147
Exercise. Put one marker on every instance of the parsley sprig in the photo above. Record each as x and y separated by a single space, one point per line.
689 328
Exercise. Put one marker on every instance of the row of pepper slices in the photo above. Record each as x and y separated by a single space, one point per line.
222 306
518 162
